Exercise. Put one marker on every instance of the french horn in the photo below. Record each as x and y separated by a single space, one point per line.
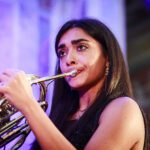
18 127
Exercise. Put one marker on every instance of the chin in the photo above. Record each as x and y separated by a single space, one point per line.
76 83
77 86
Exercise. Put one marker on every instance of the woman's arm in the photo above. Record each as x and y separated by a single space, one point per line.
17 89
121 127
48 136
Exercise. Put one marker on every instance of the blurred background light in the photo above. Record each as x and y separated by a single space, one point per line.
28 29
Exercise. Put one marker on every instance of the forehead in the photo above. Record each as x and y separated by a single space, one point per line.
74 34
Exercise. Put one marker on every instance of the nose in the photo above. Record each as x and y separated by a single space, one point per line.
71 58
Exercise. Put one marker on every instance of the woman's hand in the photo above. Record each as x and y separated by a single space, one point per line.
16 88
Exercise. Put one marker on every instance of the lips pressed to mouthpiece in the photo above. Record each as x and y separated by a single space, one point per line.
73 73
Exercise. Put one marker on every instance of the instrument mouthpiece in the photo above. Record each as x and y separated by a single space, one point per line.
73 73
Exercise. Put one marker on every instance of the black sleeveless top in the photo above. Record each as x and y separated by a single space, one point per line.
80 136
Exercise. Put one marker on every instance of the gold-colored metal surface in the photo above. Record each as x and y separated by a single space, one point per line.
13 128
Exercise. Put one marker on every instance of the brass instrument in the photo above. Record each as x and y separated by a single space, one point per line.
11 129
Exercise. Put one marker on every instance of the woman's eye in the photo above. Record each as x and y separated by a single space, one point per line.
81 47
61 53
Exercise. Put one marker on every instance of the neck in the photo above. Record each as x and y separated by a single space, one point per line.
88 95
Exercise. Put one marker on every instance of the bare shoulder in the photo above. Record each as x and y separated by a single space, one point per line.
124 116
122 106
121 126
125 111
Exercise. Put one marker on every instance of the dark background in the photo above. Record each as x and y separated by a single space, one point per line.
138 50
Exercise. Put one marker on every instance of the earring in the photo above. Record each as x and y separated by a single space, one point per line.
107 70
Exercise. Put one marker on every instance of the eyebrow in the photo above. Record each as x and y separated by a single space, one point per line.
74 42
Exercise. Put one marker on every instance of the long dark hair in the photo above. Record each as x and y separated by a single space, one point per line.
65 100
118 82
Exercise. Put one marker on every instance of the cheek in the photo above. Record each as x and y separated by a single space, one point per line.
97 64
61 64
93 61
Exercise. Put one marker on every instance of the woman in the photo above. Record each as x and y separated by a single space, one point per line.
93 110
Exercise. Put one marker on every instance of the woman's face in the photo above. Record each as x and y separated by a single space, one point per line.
79 51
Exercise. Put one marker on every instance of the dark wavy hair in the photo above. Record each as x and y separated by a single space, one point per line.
118 82
65 101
